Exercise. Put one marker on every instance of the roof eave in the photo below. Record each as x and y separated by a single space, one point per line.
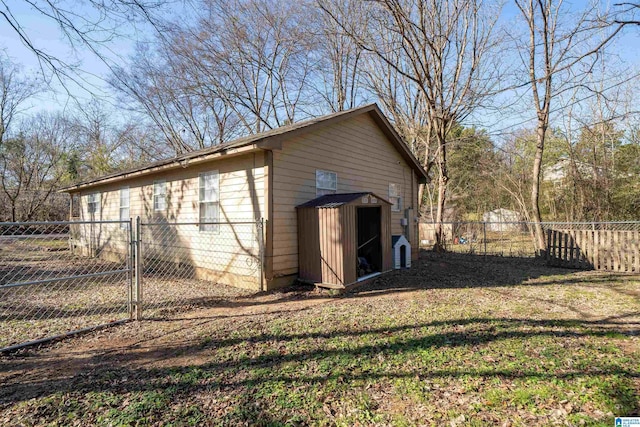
269 141
169 165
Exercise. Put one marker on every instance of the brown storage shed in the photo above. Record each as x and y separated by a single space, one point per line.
343 239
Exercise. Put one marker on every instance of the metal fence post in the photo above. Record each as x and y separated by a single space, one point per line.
484 234
261 252
138 258
132 267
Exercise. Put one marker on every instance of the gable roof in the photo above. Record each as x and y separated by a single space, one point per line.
336 200
265 140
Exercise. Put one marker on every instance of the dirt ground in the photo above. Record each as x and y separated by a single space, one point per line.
177 342
143 344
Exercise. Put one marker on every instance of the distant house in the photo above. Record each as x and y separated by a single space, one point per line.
559 171
502 220
267 176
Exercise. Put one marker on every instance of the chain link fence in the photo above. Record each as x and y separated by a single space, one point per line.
59 277
180 261
482 238
505 238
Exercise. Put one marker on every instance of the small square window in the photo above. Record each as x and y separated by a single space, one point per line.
326 182
93 203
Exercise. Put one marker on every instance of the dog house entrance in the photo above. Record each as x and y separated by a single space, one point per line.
369 242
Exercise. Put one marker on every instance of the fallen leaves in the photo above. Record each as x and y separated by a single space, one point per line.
458 345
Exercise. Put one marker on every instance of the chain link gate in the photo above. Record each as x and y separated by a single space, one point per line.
179 264
618 241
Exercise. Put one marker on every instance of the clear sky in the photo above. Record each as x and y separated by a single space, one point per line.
44 34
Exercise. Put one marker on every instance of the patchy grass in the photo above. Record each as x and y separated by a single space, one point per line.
513 243
60 295
454 341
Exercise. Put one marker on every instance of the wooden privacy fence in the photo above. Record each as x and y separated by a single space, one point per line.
599 249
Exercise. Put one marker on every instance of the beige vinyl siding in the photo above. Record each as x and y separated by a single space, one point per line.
241 192
93 239
364 159
241 199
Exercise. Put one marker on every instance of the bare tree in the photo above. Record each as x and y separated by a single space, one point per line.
88 27
32 166
558 54
242 67
100 144
443 48
15 91
184 111
252 55
626 15
512 176
339 60
141 143
404 103
593 127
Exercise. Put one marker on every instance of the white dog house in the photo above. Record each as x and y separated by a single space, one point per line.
401 249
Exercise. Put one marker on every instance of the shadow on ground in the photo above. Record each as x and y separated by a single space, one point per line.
431 271
243 364
99 365
252 380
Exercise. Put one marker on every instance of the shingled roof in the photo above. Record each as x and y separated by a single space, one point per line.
262 141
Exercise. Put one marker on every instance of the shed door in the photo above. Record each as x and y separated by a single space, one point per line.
369 241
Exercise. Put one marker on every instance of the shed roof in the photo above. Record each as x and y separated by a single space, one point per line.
336 200
265 140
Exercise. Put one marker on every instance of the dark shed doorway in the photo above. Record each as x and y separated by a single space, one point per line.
369 241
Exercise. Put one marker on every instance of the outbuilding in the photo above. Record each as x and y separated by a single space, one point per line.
344 239
502 220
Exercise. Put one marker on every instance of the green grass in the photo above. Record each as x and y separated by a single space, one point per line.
559 348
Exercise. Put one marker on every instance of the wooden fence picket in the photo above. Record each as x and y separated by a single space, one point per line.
635 251
600 249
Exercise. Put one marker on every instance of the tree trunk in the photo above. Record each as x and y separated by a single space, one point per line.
442 195
443 178
535 191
